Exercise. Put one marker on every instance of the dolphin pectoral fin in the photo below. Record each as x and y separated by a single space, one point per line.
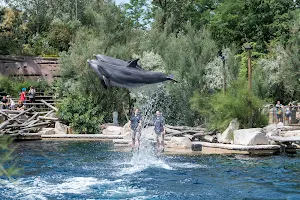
106 81
171 77
103 84
133 64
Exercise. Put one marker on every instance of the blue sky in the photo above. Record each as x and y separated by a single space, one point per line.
121 1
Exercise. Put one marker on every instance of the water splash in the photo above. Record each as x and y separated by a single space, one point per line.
147 155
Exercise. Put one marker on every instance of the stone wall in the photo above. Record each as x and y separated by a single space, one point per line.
33 68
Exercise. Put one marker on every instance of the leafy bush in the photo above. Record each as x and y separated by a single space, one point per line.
238 103
6 85
13 86
82 113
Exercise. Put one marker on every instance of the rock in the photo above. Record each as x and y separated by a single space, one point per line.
210 138
126 128
270 127
287 128
53 115
104 126
179 142
127 136
113 130
47 131
280 125
2 118
61 128
291 133
70 130
227 135
253 136
271 130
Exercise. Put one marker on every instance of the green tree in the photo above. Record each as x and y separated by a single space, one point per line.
139 12
238 102
239 21
196 12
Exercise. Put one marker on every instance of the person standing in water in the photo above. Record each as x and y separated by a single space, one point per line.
159 129
136 127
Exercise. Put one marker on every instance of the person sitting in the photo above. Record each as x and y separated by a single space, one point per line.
4 102
20 105
11 103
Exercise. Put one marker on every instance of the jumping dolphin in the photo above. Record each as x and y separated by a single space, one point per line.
114 61
126 77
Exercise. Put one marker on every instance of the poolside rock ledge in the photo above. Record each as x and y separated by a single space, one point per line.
113 130
227 136
179 143
252 136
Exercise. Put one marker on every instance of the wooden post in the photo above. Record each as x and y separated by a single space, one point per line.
22 113
249 71
224 77
49 105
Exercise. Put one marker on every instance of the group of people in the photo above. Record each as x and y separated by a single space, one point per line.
283 111
136 127
8 103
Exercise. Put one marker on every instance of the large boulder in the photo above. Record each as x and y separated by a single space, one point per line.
252 136
104 126
61 128
179 143
126 128
227 135
126 132
113 130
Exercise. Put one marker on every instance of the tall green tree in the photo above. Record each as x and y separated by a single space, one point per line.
139 12
196 12
240 21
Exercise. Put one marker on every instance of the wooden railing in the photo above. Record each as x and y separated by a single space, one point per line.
294 117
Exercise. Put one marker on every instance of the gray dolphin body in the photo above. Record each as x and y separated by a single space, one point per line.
114 61
126 77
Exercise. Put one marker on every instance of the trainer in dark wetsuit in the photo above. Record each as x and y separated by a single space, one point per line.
159 123
135 126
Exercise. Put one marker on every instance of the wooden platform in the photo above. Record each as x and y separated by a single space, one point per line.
83 136
28 136
219 148
285 139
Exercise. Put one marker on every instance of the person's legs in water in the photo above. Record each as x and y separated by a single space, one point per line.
133 134
138 137
162 142
157 142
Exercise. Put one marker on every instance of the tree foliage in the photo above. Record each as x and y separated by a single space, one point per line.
240 21
238 103
181 37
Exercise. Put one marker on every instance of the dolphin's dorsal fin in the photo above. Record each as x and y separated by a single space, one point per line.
133 63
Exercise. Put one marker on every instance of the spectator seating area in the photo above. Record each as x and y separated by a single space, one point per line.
38 104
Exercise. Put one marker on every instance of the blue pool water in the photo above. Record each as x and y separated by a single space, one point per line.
94 170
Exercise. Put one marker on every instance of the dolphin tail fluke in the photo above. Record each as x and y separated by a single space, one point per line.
171 77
